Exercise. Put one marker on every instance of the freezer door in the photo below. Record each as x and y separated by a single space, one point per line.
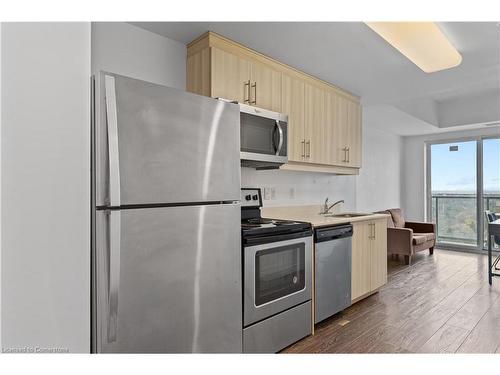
169 280
156 144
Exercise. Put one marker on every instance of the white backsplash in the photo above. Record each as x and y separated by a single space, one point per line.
292 188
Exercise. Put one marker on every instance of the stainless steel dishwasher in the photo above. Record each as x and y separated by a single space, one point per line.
332 270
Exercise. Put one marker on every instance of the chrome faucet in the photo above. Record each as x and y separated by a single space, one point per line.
326 208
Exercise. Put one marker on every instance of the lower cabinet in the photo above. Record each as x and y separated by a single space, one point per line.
369 257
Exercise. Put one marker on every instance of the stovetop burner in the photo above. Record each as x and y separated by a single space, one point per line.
252 224
259 225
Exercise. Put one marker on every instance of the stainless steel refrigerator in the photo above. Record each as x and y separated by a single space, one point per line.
166 220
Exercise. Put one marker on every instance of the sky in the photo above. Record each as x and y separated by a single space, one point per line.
456 170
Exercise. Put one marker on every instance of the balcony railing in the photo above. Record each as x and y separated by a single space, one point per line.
456 219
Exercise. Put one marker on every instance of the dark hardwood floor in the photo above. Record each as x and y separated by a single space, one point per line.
439 304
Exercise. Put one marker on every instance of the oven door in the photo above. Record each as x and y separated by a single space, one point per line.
277 276
263 135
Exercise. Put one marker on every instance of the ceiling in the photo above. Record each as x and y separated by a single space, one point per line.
352 56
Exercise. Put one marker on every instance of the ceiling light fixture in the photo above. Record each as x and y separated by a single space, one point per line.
423 43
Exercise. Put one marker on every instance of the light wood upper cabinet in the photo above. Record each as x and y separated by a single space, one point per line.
332 128
315 116
354 134
369 257
265 87
236 78
230 76
340 117
198 72
292 104
324 129
348 124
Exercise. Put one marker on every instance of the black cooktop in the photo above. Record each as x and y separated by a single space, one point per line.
253 225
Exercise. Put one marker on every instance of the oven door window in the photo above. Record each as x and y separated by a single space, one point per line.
262 135
279 271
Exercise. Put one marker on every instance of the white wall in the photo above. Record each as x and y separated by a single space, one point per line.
45 195
413 175
308 188
121 48
378 185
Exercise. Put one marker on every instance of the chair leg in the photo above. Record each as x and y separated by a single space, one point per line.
407 260
431 250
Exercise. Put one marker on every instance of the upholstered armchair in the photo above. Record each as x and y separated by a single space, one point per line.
407 238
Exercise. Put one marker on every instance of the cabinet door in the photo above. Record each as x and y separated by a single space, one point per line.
292 104
265 87
198 73
230 76
361 267
332 130
354 130
342 140
314 131
379 254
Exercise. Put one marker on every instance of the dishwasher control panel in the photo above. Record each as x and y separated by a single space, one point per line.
332 233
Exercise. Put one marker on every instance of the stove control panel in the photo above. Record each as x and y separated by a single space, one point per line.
251 197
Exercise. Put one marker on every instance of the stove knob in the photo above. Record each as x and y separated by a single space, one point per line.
248 197
255 197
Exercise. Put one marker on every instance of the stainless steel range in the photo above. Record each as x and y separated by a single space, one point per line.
277 261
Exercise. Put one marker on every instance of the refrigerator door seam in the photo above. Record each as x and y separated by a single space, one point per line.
161 205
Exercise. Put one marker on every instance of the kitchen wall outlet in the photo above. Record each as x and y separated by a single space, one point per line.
292 193
273 193
267 193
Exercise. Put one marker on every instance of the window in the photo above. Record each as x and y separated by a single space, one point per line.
463 182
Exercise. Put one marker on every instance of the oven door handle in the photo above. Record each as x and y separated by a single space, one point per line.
280 143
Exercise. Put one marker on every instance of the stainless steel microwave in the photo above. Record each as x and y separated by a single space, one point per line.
263 138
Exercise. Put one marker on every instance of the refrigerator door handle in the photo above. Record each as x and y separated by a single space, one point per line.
114 272
113 152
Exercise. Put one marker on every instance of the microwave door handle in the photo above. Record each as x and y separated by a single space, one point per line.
280 143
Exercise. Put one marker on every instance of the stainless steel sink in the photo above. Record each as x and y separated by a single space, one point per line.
347 215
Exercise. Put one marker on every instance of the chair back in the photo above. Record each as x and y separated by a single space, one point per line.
490 217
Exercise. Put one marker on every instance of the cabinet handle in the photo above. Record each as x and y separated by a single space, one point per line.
345 155
246 92
372 231
348 154
308 143
303 148
254 101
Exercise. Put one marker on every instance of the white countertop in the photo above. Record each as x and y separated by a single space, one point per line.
311 215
